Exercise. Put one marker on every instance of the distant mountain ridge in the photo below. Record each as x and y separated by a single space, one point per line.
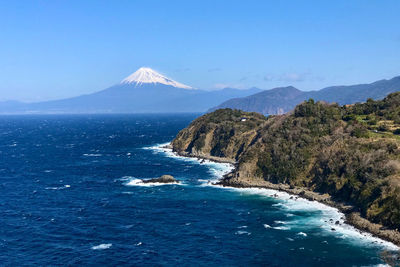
144 91
283 99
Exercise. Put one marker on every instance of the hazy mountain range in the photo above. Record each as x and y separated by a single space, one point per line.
147 91
144 91
283 99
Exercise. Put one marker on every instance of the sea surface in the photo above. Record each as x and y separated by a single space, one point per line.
70 195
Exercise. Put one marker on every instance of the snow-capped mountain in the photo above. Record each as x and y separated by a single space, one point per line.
147 75
144 91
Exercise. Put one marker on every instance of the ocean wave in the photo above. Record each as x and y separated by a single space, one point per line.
242 233
302 234
102 246
132 181
281 228
58 187
216 169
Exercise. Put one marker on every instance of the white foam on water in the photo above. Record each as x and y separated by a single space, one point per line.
92 155
281 228
102 246
58 187
242 233
217 169
326 218
280 222
132 181
302 234
267 225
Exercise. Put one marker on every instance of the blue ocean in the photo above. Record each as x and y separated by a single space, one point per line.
70 194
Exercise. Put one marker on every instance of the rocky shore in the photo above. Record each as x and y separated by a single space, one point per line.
352 216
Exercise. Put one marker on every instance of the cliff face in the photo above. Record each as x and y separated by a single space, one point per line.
224 134
349 152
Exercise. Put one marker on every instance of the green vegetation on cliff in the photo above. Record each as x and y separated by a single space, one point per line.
351 152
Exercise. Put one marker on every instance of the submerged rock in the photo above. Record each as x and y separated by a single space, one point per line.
166 179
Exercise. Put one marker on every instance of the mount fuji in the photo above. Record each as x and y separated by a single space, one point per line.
144 91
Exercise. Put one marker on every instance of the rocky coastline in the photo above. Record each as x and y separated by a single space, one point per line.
343 157
352 216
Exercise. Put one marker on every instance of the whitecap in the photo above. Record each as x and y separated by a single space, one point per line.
267 226
302 234
55 187
102 246
92 155
281 228
242 233
132 181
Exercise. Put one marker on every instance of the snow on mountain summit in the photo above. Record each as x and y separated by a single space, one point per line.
147 75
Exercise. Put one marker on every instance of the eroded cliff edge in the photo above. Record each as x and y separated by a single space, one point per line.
345 156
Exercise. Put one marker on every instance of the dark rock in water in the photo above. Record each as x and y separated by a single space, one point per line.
166 179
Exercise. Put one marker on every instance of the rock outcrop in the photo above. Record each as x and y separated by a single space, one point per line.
164 179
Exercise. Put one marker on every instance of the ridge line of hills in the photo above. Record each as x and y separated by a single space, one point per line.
283 99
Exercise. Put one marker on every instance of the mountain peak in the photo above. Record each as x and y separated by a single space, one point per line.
147 75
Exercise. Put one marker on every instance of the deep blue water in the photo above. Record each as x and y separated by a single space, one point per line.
67 197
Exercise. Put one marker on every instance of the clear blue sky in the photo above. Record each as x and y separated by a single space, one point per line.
56 49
